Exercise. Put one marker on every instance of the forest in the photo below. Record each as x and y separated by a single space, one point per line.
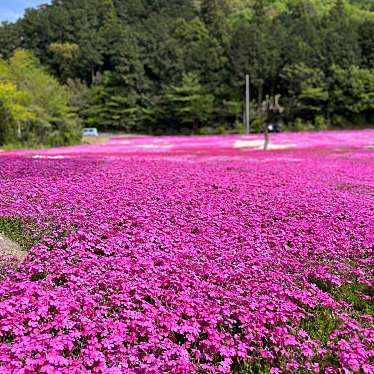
179 66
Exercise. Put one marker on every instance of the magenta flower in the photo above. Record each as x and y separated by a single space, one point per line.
201 255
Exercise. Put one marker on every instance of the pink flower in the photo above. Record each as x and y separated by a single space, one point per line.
193 258
316 368
354 364
275 371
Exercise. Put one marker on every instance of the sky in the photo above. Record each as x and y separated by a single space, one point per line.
10 10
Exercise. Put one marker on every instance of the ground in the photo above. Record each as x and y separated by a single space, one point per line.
191 254
10 248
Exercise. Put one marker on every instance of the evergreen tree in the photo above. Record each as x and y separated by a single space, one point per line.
210 13
64 55
10 39
341 38
307 91
200 53
366 43
109 107
127 55
352 93
189 104
255 50
304 39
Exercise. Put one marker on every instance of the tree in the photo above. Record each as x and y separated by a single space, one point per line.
160 53
366 43
10 39
189 104
352 92
341 38
212 14
200 53
64 55
109 107
130 53
307 91
255 50
36 102
304 36
14 106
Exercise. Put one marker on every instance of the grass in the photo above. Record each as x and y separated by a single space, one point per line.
18 146
321 324
14 229
18 231
254 367
357 295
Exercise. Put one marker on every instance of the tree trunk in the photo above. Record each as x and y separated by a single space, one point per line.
260 88
92 74
194 127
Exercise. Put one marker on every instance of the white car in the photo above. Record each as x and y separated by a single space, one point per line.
90 132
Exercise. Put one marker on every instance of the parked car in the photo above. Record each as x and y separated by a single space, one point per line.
90 132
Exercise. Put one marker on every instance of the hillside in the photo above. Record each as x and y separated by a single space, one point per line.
169 66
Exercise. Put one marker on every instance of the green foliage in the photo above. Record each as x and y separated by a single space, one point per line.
37 107
307 91
63 55
190 106
6 124
321 324
130 56
9 39
212 14
341 36
366 41
15 104
109 107
199 52
300 125
258 366
320 123
359 296
254 50
17 231
352 90
238 128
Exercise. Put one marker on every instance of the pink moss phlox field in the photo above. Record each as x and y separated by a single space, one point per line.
210 145
178 263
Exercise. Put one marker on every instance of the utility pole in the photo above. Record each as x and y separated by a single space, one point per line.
247 100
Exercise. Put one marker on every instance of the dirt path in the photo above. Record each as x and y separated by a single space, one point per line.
10 248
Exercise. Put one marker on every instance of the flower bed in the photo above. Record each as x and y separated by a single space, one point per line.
231 261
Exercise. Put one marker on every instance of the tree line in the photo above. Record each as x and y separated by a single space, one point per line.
178 66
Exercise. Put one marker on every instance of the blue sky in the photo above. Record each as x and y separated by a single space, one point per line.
10 10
